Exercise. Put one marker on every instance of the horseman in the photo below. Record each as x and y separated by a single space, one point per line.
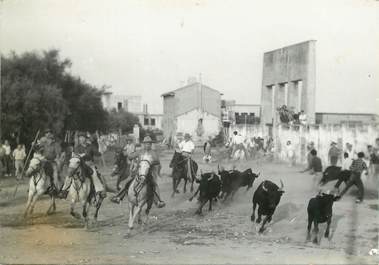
187 147
131 161
86 150
51 152
135 156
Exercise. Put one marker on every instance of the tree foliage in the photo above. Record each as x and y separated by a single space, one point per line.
122 120
38 92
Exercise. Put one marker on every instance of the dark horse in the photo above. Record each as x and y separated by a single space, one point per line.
179 166
121 168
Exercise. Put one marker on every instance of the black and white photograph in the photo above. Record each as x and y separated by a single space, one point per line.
189 132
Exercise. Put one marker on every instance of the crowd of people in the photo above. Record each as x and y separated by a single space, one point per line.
11 160
356 163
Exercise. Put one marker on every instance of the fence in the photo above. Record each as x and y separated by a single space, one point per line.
322 135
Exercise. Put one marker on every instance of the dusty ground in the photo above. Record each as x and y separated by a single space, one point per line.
175 235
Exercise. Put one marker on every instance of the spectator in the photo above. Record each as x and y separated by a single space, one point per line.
349 149
346 162
290 153
208 150
237 144
310 147
334 154
303 117
19 156
2 155
7 160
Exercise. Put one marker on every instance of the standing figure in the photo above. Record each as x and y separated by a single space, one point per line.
290 151
357 168
19 156
334 154
207 151
187 148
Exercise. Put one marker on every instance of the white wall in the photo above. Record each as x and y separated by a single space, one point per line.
187 123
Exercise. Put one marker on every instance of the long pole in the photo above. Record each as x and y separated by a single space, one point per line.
26 162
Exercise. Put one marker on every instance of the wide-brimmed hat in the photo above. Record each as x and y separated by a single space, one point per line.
333 142
187 135
129 138
147 139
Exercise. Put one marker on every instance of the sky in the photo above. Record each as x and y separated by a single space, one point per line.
140 47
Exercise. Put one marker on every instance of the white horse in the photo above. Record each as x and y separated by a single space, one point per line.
38 185
80 189
141 192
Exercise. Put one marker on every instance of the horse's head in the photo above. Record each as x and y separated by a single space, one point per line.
34 165
145 165
73 164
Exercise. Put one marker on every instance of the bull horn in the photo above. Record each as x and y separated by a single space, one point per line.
263 186
281 185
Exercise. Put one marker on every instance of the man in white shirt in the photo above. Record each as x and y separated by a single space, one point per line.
237 143
187 148
346 162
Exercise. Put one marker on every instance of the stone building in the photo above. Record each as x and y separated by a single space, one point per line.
289 78
194 109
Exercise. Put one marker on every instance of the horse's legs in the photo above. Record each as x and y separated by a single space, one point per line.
130 224
52 207
192 185
72 210
30 198
85 206
173 186
197 191
185 185
98 205
34 201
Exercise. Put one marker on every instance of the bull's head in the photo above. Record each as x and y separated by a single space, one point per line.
274 194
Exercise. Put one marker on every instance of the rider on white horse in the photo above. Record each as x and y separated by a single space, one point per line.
147 151
86 152
51 152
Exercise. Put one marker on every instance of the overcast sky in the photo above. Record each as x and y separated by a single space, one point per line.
149 47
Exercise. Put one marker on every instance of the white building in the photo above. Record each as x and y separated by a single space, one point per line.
128 103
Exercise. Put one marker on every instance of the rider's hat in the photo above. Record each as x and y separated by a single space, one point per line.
187 136
82 134
129 138
147 139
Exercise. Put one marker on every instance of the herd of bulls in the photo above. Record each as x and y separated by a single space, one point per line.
224 184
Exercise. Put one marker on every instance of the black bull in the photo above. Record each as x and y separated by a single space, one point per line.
179 164
232 180
335 173
320 210
209 188
267 196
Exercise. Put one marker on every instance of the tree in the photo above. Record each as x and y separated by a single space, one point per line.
122 120
39 93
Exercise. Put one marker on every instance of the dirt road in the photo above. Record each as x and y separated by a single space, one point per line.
174 235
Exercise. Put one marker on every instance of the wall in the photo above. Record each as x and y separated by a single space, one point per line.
129 103
169 119
188 122
347 118
322 136
282 71
157 117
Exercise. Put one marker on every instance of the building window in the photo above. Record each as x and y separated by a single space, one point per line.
145 121
119 105
152 122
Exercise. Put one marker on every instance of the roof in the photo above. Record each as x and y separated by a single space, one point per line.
289 46
172 93
347 113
